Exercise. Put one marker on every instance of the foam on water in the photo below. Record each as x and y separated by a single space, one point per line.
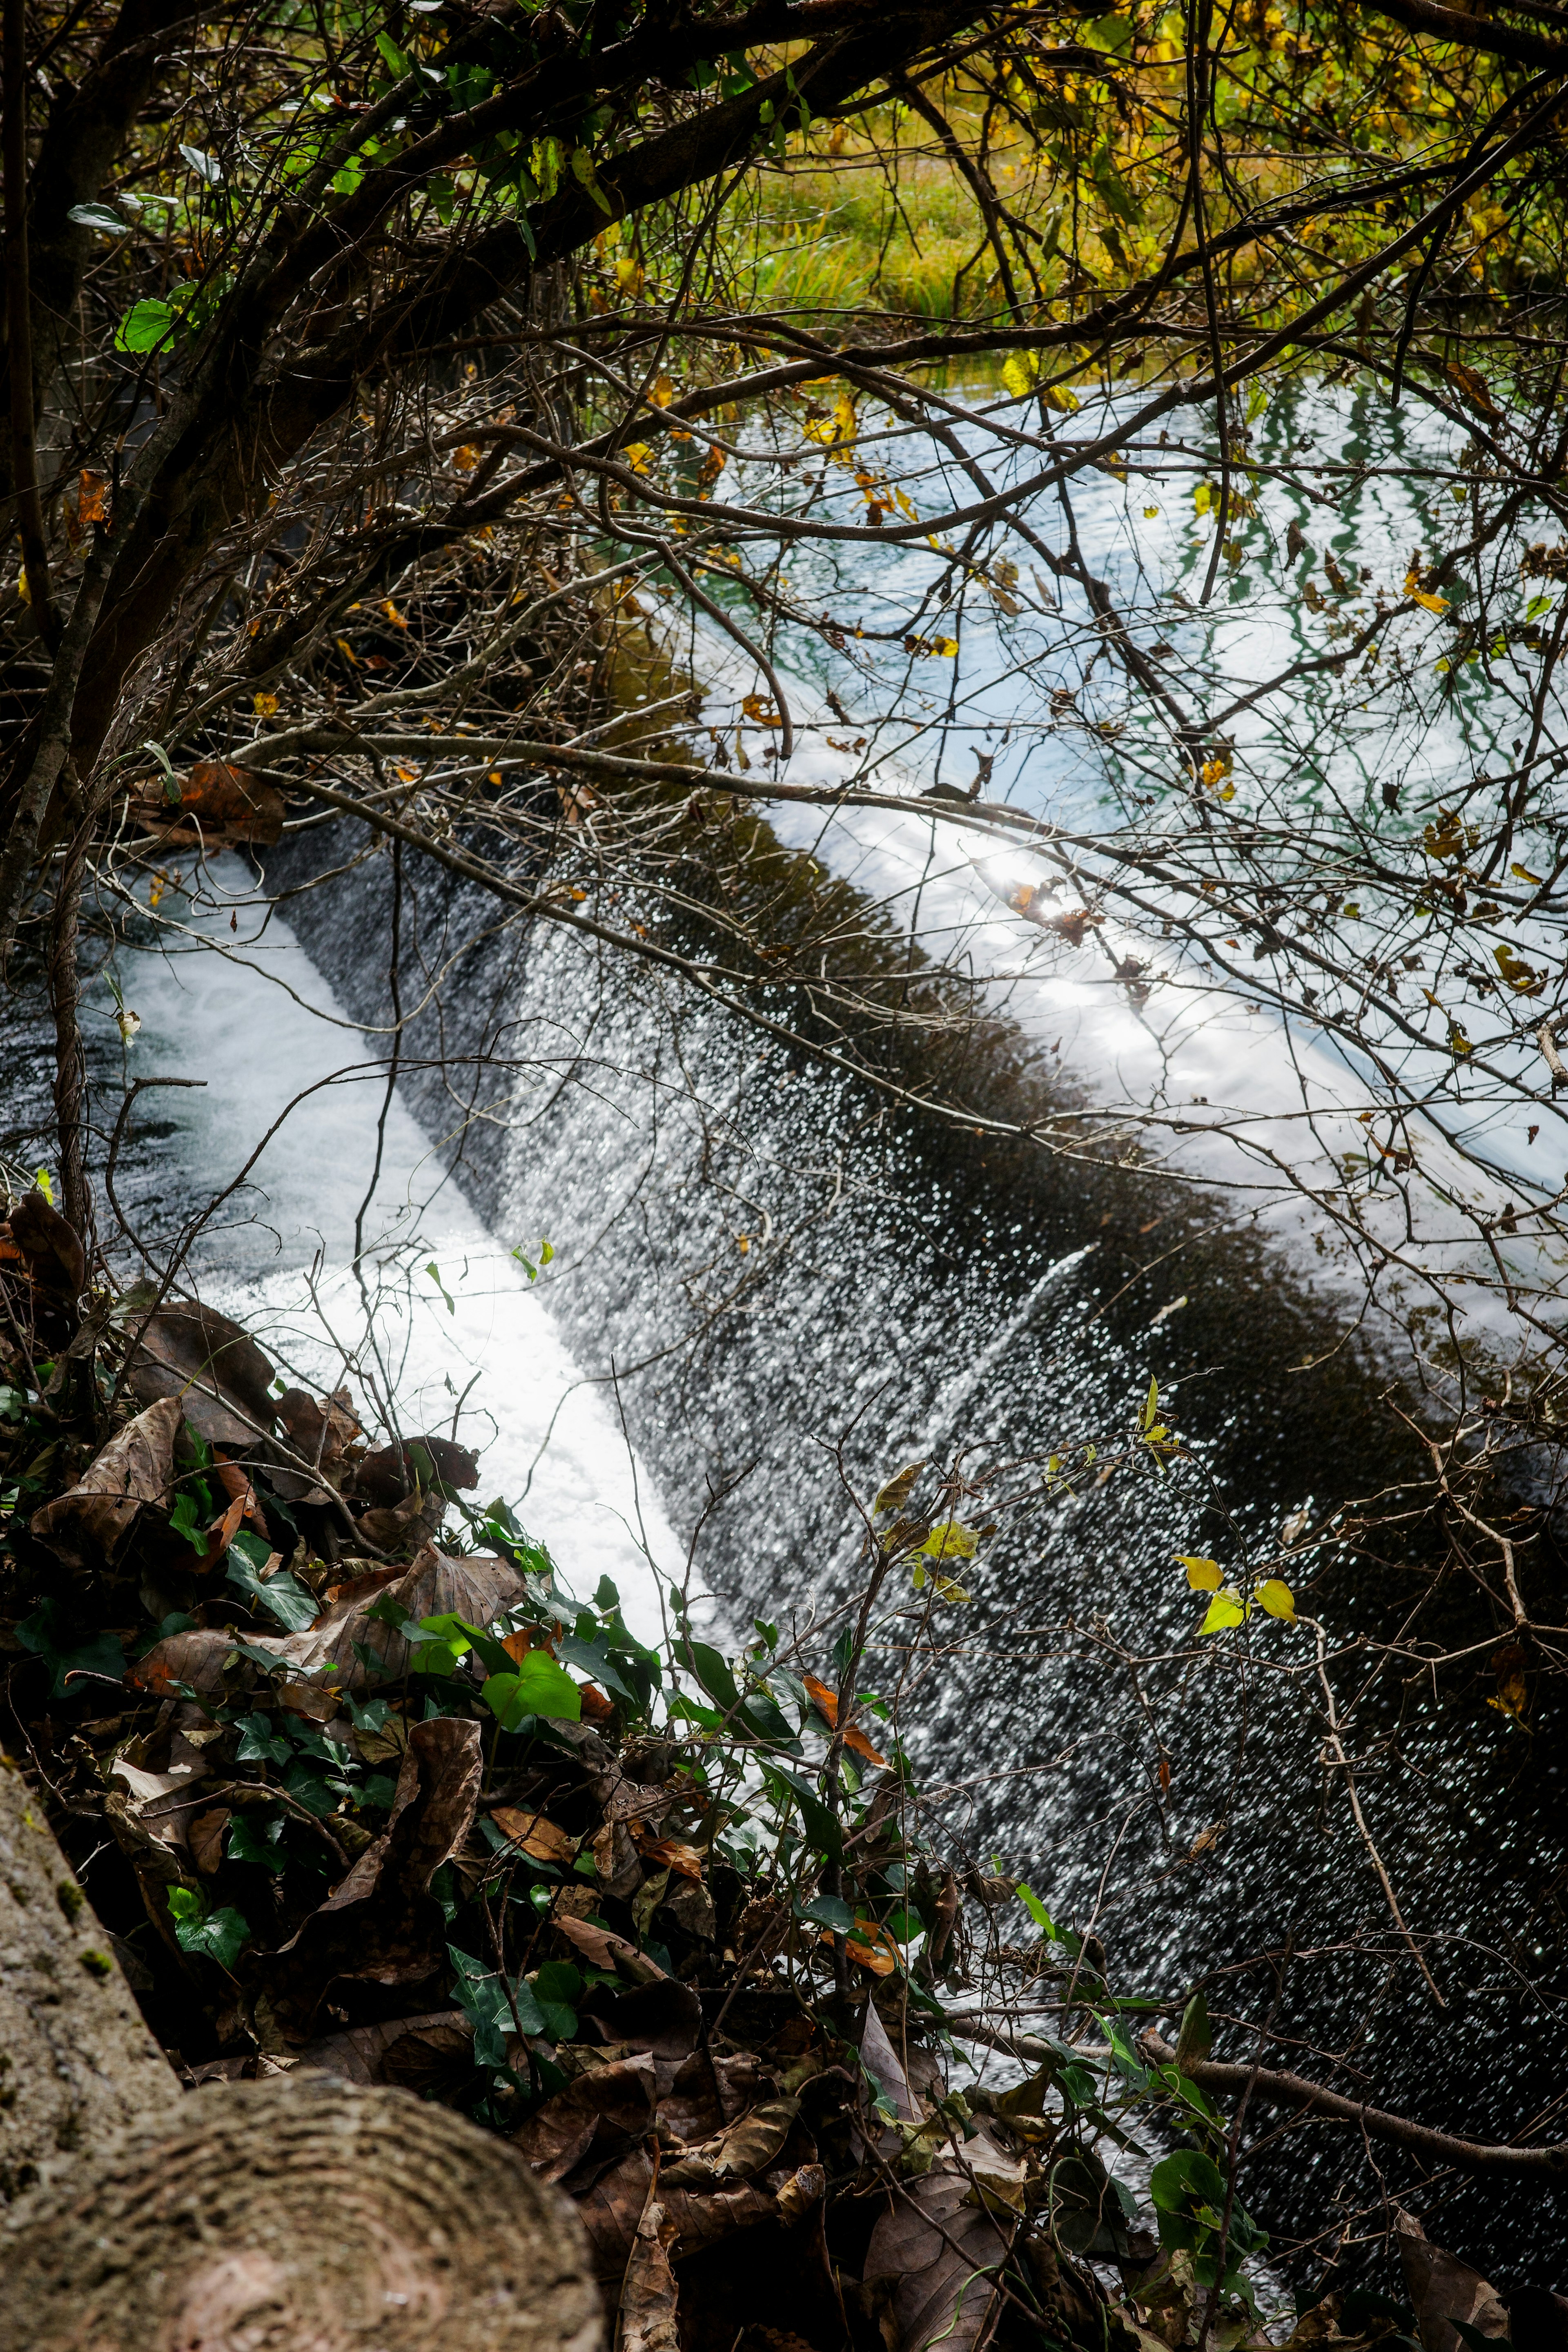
264 1029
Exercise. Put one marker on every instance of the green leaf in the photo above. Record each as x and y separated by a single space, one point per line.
1187 2178
221 1936
206 167
282 1595
830 1911
821 1828
147 326
1151 1401
397 64
1038 1912
260 1744
713 1673
538 1686
102 217
251 1841
46 1635
310 1788
185 1520
1195 2039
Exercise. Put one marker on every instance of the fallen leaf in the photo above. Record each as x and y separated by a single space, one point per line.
206 1839
646 2320
603 2110
1445 2293
220 1375
673 1855
605 1950
538 1837
88 1524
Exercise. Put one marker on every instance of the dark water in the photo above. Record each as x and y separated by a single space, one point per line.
908 1289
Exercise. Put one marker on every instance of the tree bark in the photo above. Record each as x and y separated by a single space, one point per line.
76 2062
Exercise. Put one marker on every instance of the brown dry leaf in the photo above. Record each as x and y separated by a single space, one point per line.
740 2153
52 1247
604 1950
88 1524
220 1375
92 496
380 1922
231 802
233 1481
320 1428
400 2051
826 1703
391 1473
531 1637
645 2321
603 2110
671 1855
220 1535
941 2255
597 1705
540 1838
1444 2289
206 1839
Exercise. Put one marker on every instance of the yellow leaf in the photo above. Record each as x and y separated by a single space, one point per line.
394 616
1418 595
952 1541
1202 1575
1525 875
1275 1595
661 392
1018 373
1224 1610
946 646
1150 513
263 705
1062 398
465 458
1151 1404
638 456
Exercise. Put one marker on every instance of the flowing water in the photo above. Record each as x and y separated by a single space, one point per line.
770 1288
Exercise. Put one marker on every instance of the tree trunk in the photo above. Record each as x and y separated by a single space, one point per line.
299 2211
76 2062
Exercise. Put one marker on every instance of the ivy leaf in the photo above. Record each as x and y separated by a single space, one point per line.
259 1744
282 1595
249 1841
538 1686
220 1937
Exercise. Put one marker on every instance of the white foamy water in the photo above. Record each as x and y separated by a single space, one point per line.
471 1348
